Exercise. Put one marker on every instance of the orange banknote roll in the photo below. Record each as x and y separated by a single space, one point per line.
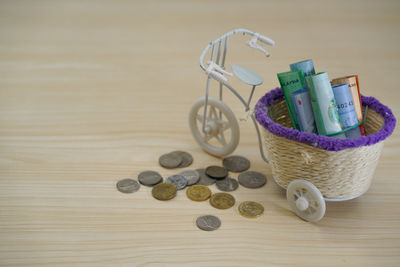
354 87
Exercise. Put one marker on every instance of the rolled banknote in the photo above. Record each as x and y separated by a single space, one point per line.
307 66
302 106
324 105
354 87
347 114
291 81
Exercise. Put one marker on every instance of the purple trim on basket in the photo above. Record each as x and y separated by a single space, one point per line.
324 142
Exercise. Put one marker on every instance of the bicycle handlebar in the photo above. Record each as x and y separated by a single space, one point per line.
262 38
266 40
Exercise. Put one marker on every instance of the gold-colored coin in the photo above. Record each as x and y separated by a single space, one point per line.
251 209
164 191
198 192
222 201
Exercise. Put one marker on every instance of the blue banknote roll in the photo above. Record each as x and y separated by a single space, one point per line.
347 113
306 66
303 109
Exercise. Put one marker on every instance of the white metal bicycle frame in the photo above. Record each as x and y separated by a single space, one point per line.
218 42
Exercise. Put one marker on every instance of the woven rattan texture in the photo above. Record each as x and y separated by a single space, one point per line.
340 175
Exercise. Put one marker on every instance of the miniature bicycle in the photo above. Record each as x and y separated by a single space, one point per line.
216 129
210 120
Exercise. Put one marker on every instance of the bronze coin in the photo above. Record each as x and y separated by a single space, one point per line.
251 209
164 191
222 200
198 192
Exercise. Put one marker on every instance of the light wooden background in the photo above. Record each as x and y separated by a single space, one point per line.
95 91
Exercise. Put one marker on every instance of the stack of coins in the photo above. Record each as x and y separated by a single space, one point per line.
198 181
176 159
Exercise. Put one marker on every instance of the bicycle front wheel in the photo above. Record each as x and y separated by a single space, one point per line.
221 135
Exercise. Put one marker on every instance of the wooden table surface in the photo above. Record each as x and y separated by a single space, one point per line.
95 91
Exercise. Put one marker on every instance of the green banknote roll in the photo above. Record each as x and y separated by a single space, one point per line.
323 104
291 81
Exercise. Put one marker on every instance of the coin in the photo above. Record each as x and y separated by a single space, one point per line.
236 163
252 179
198 192
222 200
204 178
227 184
216 172
187 159
149 178
170 160
251 209
208 222
164 191
191 176
178 180
128 186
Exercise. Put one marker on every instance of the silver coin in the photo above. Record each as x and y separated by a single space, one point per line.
170 160
192 176
178 180
236 163
187 159
208 222
128 185
149 178
252 179
216 172
227 184
204 178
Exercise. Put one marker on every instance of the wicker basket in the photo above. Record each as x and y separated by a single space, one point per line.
340 168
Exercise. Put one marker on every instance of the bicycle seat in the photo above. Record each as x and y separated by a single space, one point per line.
247 76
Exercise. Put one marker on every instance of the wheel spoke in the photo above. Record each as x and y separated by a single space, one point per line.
209 117
212 113
199 118
208 137
225 125
308 196
221 139
298 193
313 204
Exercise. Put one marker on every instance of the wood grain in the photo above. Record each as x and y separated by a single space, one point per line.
95 91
